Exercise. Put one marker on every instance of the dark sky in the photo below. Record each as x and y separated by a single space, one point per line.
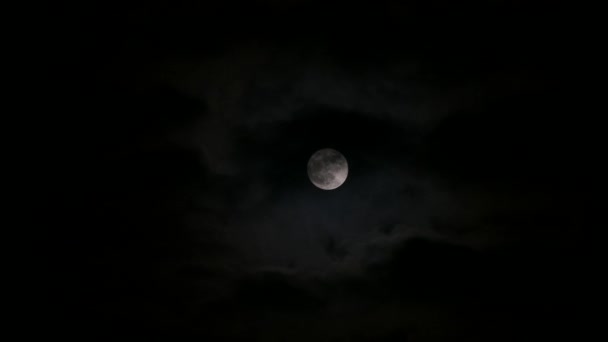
465 216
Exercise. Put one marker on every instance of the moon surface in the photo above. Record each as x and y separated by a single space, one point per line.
327 169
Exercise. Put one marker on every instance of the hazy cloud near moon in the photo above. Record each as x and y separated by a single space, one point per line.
255 95
464 216
249 86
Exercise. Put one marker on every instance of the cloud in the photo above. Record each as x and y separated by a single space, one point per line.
463 215
423 290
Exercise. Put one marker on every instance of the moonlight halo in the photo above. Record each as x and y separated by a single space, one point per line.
327 169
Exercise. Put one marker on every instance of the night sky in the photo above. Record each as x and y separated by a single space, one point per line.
190 215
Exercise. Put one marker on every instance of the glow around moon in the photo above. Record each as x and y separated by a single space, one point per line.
327 169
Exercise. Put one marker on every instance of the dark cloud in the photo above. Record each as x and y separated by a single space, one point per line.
464 215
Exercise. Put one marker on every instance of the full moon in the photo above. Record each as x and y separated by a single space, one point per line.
327 169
